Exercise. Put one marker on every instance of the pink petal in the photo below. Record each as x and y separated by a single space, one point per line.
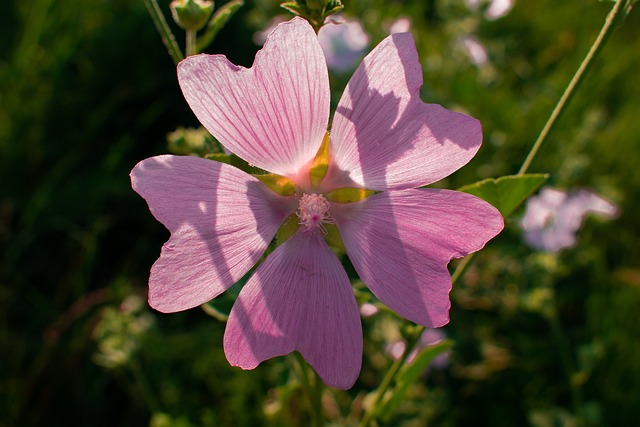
221 221
400 243
299 298
384 137
273 115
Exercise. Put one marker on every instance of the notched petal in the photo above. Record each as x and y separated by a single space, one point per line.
273 115
221 221
299 298
385 137
400 243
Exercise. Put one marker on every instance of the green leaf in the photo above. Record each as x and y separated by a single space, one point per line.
334 10
219 157
507 192
218 20
333 7
233 160
293 7
408 376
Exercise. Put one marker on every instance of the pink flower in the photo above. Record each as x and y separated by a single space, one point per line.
428 338
275 116
401 25
343 43
553 218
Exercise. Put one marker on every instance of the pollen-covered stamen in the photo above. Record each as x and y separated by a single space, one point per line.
313 212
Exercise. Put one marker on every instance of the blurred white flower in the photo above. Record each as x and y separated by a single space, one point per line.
428 338
395 349
498 8
400 25
552 218
368 310
476 50
344 44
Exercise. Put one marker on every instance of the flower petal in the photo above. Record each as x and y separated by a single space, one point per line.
384 137
273 115
400 243
221 221
299 298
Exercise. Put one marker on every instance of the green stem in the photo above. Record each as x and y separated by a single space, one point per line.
191 48
313 390
564 348
462 267
163 28
393 371
143 386
390 376
316 397
606 30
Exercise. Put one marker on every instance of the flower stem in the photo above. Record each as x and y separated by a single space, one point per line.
606 30
393 370
313 390
143 386
390 376
191 48
564 348
163 28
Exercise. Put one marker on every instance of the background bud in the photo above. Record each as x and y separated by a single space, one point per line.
191 14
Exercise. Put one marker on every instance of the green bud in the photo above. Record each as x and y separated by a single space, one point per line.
314 11
189 141
191 14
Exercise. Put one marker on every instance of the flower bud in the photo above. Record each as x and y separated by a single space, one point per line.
191 14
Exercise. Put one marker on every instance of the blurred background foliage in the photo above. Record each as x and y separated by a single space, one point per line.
87 90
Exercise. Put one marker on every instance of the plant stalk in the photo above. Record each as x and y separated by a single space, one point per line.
606 30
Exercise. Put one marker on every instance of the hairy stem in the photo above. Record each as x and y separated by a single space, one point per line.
163 28
606 30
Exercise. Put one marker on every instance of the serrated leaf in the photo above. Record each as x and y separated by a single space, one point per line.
409 375
507 192
218 20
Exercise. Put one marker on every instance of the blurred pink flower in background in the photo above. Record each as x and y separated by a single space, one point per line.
553 218
368 310
496 9
384 138
428 338
399 25
343 43
476 50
